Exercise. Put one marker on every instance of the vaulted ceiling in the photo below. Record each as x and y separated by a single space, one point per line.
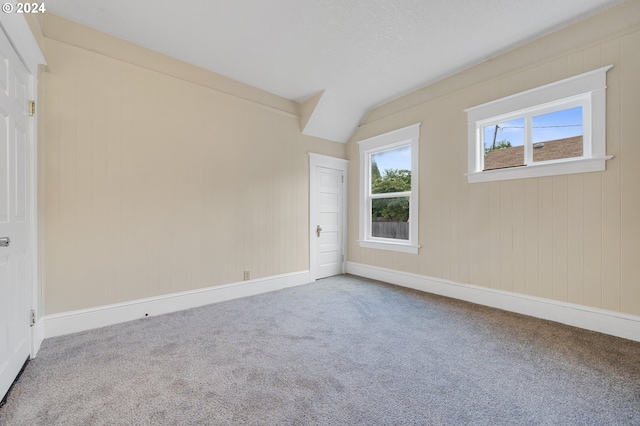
339 58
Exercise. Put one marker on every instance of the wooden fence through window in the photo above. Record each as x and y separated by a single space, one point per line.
395 230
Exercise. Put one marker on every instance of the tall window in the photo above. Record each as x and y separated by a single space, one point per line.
550 130
389 190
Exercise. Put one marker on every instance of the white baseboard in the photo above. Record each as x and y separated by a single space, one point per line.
600 320
87 319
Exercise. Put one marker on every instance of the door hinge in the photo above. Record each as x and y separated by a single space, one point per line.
342 178
32 108
343 257
32 318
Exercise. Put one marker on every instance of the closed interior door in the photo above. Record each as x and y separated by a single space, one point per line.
329 227
15 211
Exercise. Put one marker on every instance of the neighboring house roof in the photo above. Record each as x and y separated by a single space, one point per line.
544 151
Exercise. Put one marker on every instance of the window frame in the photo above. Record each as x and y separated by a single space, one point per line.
406 136
587 90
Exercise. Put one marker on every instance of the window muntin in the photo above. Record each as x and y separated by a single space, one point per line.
389 193
576 105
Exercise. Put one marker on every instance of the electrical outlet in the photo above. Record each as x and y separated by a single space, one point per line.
247 275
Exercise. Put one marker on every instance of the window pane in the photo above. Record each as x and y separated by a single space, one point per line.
390 218
504 145
557 135
391 171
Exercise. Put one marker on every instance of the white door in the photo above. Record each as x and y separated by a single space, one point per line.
328 229
15 211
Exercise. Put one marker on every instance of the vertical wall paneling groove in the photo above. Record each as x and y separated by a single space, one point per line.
593 240
429 197
611 184
484 255
506 237
123 215
464 224
493 243
438 182
575 239
50 200
531 237
474 227
447 195
545 237
629 160
455 210
518 237
560 238
98 179
67 178
83 182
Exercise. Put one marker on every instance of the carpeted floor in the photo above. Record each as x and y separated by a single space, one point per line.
341 351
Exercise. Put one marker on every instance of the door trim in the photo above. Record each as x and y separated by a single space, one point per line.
318 160
24 43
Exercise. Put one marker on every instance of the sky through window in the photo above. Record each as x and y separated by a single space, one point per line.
546 127
397 159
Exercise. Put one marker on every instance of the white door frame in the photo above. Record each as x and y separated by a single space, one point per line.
19 34
318 160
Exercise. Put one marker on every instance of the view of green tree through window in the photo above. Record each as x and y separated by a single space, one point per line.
390 193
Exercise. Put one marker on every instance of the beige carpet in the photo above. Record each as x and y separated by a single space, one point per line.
341 351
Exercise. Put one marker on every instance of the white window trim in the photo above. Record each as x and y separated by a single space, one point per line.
587 90
409 135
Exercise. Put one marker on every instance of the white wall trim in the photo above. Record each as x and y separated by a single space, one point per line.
101 316
328 162
594 319
553 168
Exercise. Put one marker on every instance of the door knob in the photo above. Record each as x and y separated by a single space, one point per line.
318 230
4 241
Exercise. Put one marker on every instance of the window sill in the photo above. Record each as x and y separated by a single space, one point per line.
581 165
401 247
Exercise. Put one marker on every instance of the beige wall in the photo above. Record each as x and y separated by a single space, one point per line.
569 238
160 177
34 24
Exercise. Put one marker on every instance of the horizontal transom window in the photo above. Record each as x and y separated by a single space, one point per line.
554 129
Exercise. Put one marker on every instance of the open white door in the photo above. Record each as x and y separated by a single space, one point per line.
327 215
16 264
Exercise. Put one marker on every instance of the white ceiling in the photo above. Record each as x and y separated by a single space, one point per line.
361 53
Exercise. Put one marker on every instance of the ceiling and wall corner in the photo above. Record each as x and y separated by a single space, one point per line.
359 55
84 37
